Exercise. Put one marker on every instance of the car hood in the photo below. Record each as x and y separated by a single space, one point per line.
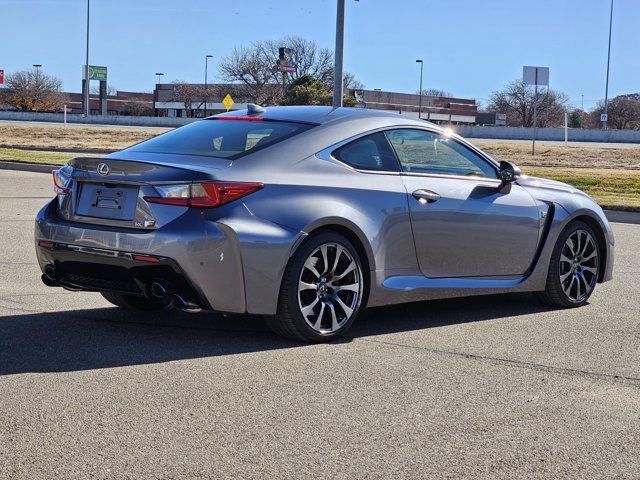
537 182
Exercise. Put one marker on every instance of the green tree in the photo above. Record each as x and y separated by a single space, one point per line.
309 90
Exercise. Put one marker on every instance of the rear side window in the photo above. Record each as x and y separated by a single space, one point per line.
220 138
372 152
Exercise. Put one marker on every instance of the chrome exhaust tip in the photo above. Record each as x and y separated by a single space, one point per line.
158 290
180 303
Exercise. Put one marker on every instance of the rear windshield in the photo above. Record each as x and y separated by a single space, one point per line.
220 138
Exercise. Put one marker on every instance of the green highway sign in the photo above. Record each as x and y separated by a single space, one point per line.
97 73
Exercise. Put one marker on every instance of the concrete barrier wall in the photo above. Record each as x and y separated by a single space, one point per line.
97 119
575 135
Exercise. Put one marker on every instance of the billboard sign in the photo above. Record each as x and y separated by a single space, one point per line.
96 72
535 75
285 60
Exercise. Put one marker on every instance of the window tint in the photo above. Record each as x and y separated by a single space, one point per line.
420 151
372 152
220 138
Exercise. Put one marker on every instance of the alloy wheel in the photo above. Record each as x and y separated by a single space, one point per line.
578 265
329 288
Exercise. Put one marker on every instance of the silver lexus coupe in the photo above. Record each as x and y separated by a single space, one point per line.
307 215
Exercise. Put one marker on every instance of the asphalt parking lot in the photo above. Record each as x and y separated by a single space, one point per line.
493 387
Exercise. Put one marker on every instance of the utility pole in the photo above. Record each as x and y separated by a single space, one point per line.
606 90
86 69
206 61
582 102
159 74
338 56
420 91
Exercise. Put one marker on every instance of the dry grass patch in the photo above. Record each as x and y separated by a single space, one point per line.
595 156
36 156
71 138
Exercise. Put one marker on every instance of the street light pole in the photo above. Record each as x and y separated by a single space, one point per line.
159 74
420 91
86 69
206 61
606 90
338 56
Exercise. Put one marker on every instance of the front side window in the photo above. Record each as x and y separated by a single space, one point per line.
420 151
372 152
220 138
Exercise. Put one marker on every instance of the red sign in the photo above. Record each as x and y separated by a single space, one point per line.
1 77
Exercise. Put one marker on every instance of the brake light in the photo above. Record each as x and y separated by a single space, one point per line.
60 182
203 195
237 117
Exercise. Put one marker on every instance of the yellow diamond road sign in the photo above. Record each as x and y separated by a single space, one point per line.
228 102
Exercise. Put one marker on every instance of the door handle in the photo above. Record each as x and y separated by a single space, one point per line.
426 196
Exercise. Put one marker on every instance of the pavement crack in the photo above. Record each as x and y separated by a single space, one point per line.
514 363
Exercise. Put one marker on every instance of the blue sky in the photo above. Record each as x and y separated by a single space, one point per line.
470 47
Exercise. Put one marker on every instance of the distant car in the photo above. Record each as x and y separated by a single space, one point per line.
307 215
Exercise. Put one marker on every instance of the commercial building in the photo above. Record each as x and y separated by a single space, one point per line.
435 109
122 103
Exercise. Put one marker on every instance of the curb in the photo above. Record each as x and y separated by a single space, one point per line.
27 167
621 216
618 216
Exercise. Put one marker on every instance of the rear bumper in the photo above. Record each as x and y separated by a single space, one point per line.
95 269
203 256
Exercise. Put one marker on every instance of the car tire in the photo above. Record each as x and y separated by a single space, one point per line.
571 279
321 291
134 302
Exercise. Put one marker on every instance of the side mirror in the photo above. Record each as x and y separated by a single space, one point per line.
509 172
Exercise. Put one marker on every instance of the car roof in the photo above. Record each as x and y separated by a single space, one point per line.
320 115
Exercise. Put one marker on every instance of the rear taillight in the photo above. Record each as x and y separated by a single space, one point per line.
60 182
203 195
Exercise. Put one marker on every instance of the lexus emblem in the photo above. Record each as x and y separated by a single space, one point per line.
103 169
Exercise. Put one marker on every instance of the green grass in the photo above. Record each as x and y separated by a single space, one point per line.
37 156
612 188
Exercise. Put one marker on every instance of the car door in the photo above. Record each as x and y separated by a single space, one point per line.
464 225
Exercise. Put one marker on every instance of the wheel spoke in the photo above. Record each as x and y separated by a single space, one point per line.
318 324
337 259
306 310
578 293
347 311
334 318
306 286
354 287
591 255
564 276
571 246
568 289
325 258
349 269
565 259
593 271
587 285
311 267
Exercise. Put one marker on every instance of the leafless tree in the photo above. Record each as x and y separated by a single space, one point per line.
255 67
188 94
624 112
33 90
435 92
516 100
111 90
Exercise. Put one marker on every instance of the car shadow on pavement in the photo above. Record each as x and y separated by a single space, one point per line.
110 337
